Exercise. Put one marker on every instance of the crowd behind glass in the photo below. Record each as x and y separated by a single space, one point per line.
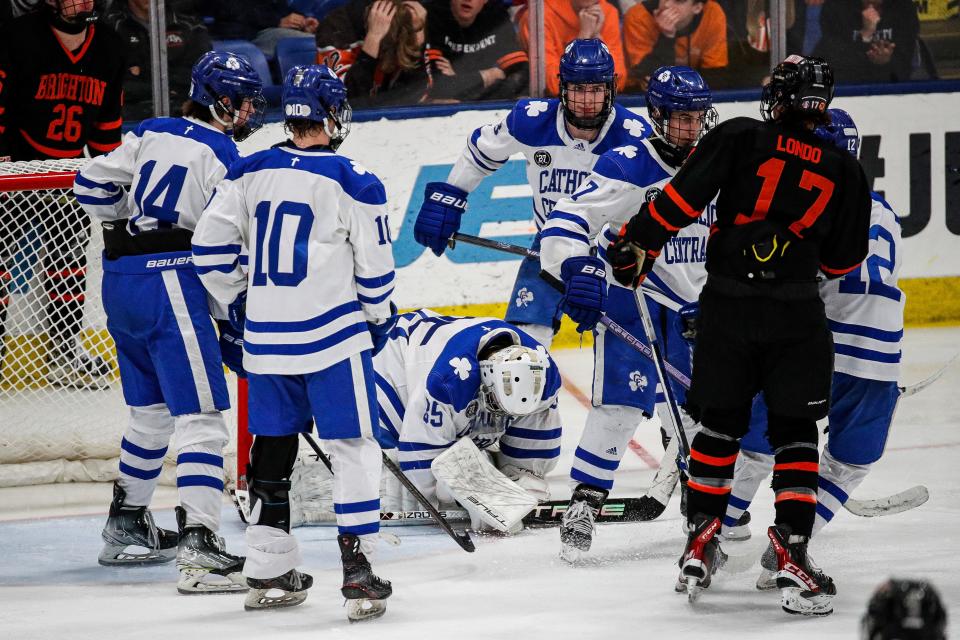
406 52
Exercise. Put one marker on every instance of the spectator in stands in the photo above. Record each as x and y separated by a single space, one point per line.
869 41
187 39
658 33
566 20
377 47
60 97
473 46
263 22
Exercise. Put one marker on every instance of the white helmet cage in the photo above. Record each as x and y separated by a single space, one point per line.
512 380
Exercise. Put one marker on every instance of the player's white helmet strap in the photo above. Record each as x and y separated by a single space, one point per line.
512 380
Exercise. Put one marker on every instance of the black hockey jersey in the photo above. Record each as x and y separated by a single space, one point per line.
789 204
53 101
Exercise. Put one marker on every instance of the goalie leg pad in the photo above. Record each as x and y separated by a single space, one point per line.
489 497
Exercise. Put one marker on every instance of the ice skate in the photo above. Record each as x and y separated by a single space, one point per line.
702 557
132 538
577 526
203 562
79 371
767 581
740 531
365 592
287 590
804 588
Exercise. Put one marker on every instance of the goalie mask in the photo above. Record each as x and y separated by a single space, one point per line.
513 379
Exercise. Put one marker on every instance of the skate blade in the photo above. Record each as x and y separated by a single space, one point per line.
113 555
363 609
571 554
202 581
693 589
767 580
272 599
800 602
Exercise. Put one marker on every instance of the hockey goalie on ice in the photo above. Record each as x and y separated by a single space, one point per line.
468 410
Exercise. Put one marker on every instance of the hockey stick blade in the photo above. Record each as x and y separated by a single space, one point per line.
911 389
897 503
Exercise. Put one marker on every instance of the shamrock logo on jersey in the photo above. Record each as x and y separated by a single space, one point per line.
636 128
628 151
359 168
637 381
524 297
461 367
536 107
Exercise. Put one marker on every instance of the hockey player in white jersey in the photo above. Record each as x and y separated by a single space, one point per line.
314 304
865 314
624 388
159 318
561 141
443 379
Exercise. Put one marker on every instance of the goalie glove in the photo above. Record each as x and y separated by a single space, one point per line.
629 260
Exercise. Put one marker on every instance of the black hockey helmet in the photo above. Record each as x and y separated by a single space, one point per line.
799 86
904 610
71 16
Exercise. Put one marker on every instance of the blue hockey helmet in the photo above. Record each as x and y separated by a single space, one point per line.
842 131
679 89
587 62
221 74
314 92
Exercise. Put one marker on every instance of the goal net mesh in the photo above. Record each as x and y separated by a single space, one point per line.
62 412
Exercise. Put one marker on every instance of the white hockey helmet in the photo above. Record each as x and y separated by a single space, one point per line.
512 380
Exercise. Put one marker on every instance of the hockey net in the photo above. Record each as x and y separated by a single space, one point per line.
62 412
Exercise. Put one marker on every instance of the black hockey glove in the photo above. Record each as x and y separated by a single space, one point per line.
629 261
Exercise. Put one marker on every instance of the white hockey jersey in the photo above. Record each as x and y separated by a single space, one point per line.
865 307
428 381
622 180
172 165
556 162
320 261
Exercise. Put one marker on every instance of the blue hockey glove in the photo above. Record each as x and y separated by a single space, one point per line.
237 310
439 216
231 347
584 291
688 321
379 333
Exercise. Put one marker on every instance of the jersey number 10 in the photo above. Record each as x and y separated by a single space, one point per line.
286 263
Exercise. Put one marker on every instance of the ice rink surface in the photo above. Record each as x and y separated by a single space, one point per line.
52 587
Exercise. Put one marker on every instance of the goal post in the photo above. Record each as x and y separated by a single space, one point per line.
62 413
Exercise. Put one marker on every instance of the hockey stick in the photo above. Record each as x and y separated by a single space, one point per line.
462 539
658 360
545 514
897 503
555 282
910 389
